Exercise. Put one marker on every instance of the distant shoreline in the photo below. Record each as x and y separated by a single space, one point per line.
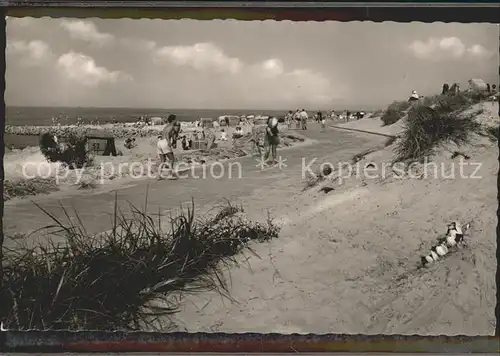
42 115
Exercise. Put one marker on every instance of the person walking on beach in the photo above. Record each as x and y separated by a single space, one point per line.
303 119
289 118
165 148
272 140
322 120
296 116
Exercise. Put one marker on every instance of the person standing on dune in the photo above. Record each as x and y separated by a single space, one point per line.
165 147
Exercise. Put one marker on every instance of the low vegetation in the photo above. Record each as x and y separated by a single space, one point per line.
127 278
18 188
494 132
394 112
73 152
449 120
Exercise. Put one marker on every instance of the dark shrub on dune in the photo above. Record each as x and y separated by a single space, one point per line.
448 121
73 152
126 278
394 112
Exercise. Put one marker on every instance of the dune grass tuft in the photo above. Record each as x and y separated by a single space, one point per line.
493 132
394 112
448 121
127 278
18 188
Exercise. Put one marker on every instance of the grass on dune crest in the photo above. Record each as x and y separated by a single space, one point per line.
394 112
448 120
127 278
398 109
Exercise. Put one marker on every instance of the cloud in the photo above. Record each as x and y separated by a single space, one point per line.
446 48
137 44
86 31
267 81
32 53
270 79
200 56
478 51
272 67
83 69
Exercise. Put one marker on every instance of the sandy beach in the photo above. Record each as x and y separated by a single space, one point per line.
355 251
329 180
361 242
28 170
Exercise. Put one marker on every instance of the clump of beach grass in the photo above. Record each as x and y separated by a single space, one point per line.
19 188
493 132
127 278
394 112
448 121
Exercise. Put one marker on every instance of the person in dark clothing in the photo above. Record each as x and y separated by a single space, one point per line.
176 129
445 90
272 140
184 142
488 88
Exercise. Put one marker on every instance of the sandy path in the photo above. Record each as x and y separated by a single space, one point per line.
345 262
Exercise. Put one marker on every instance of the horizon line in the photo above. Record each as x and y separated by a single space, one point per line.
173 109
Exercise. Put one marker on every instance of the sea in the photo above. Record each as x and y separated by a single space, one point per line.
42 116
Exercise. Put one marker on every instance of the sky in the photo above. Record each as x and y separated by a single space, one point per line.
239 64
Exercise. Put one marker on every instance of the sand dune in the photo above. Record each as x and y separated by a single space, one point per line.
346 262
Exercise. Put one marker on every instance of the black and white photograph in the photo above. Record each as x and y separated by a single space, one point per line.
250 176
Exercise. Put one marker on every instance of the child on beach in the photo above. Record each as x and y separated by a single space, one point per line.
289 119
321 119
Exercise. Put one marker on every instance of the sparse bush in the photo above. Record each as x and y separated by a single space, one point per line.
394 112
426 127
118 279
73 152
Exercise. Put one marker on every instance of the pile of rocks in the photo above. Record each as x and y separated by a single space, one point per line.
62 131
